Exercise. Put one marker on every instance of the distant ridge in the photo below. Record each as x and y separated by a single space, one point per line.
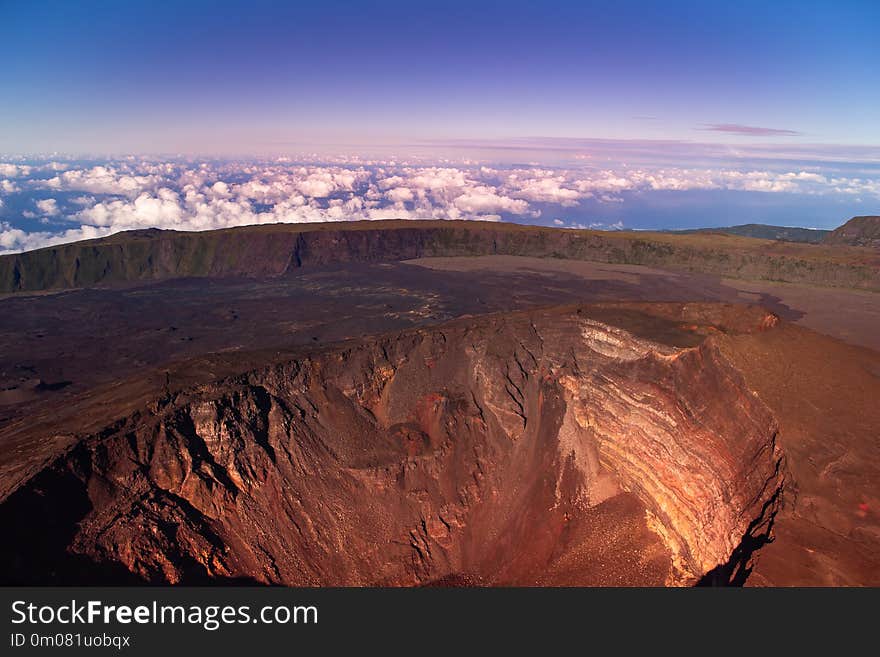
283 249
858 231
766 232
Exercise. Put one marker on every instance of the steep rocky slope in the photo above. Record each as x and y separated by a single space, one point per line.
858 231
273 250
505 449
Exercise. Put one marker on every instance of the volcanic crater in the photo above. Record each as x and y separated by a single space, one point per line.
552 446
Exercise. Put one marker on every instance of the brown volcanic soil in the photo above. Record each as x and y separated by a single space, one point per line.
525 448
122 349
824 394
849 315
71 341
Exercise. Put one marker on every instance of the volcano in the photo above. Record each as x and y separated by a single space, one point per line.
448 421
525 448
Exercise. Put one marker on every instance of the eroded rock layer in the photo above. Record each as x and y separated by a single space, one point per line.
284 249
543 447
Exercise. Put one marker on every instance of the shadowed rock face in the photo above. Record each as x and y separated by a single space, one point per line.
279 249
537 448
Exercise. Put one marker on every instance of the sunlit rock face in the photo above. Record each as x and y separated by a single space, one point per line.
535 448
858 231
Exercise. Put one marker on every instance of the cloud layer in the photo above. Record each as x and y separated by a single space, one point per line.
750 130
65 201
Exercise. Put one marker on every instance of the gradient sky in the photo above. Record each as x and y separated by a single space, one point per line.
622 114
253 77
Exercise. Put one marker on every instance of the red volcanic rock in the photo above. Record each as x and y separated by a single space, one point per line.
543 447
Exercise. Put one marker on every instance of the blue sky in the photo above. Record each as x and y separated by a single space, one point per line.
194 115
247 77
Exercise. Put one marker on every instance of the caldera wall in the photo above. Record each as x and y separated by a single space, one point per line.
273 250
471 450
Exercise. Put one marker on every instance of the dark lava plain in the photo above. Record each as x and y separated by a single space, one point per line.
72 356
54 345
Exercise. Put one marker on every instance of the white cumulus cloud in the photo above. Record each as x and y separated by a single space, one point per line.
485 200
103 198
48 207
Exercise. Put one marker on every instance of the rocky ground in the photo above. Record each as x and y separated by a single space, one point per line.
514 421
287 249
504 448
